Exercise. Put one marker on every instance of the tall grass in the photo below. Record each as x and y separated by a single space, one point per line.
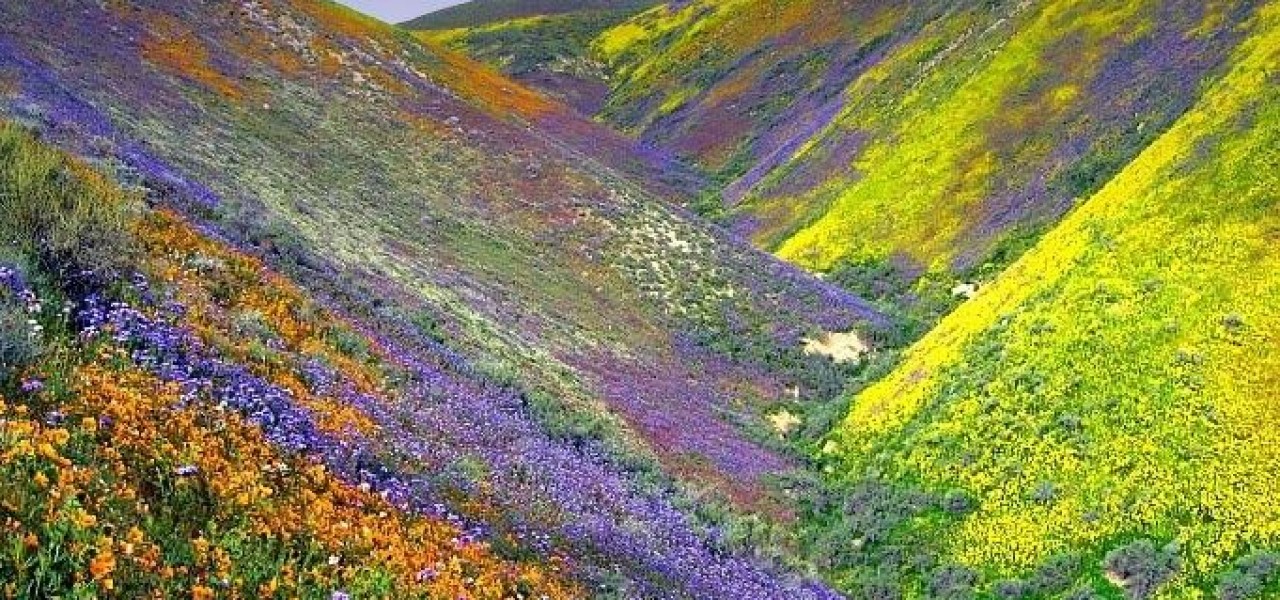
60 216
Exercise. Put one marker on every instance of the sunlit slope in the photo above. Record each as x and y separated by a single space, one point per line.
179 431
933 136
1122 380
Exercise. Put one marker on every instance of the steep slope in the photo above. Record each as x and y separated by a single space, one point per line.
926 136
596 330
151 425
486 12
1104 414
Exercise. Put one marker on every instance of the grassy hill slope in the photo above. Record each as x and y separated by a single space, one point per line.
1103 414
176 420
622 363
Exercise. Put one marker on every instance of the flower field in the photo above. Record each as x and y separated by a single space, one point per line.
529 346
204 428
132 470
295 303
931 137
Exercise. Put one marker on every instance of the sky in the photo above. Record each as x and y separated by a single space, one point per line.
395 11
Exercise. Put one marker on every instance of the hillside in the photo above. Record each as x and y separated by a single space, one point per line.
903 150
196 429
547 46
586 377
700 299
922 137
486 12
1103 415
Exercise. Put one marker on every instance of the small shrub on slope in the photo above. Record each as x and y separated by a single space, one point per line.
1140 568
19 341
1252 577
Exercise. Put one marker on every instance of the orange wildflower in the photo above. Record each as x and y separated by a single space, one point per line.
103 564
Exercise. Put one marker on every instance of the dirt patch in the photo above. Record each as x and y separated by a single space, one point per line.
840 347
784 422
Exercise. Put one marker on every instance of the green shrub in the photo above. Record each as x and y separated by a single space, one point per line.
1011 589
958 502
1239 586
350 343
1142 567
17 346
1084 593
1055 575
952 581
1250 578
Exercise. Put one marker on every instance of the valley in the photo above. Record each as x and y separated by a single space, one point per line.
698 299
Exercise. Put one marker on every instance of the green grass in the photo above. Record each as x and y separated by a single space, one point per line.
68 221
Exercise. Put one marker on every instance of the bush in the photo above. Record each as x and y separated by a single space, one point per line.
1055 575
349 343
1250 577
17 346
880 590
1011 590
952 582
1084 593
958 502
69 221
1263 565
1239 586
1045 493
1141 567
